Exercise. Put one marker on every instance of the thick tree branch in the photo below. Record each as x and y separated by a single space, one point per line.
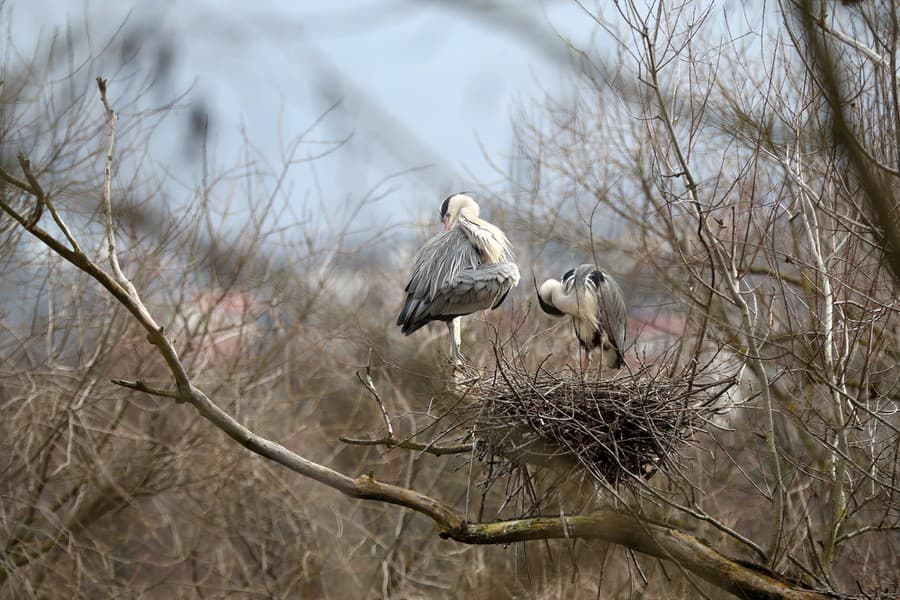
649 538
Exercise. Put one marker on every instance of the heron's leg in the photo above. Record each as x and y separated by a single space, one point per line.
607 357
455 342
585 359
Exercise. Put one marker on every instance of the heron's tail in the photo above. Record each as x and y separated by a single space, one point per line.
612 358
412 317
620 361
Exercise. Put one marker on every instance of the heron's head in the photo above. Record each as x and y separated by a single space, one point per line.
451 207
588 275
580 277
568 281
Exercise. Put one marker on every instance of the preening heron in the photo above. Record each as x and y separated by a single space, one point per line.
467 268
595 302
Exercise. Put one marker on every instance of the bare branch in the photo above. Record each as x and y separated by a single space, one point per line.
725 267
370 386
390 442
653 539
617 527
140 386
878 193
112 118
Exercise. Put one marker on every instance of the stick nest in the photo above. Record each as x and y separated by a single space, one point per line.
617 430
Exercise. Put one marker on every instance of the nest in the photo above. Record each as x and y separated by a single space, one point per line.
615 430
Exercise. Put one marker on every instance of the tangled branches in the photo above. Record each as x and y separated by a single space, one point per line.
617 431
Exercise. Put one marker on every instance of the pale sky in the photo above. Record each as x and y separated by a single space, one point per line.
420 85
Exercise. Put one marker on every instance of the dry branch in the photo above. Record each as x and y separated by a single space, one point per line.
390 442
610 525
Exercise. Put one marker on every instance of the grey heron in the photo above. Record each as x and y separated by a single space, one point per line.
595 302
467 268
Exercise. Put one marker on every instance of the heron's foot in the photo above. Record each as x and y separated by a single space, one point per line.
458 362
464 373
462 368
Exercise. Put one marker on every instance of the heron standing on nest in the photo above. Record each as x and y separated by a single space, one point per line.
594 301
467 268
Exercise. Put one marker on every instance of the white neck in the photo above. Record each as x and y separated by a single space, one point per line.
581 306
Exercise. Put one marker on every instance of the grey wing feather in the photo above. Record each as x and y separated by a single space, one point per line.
439 261
612 304
475 289
449 280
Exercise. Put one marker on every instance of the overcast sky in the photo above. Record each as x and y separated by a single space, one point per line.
419 84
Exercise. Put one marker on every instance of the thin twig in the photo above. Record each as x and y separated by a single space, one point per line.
36 190
370 386
140 386
392 442
112 118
